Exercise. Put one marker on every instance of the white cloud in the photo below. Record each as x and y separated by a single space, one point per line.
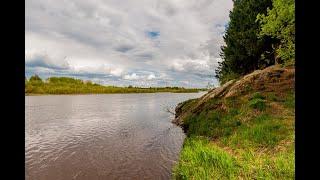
202 65
142 76
111 37
132 76
102 69
151 76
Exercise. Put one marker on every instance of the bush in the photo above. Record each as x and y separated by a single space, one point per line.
257 104
257 95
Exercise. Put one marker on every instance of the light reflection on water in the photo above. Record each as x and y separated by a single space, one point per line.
111 136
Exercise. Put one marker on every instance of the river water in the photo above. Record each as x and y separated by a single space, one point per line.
110 136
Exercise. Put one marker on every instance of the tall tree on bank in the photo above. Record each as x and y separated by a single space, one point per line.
244 51
279 23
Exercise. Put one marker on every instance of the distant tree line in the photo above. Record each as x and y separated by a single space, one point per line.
67 85
260 33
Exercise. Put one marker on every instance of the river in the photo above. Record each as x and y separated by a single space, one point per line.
105 136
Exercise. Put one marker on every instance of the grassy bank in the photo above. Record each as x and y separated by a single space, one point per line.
247 136
65 85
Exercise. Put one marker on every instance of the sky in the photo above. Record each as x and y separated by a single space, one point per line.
128 42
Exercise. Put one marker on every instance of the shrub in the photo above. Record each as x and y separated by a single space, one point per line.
257 104
257 95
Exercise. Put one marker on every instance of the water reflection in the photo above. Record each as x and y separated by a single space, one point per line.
119 136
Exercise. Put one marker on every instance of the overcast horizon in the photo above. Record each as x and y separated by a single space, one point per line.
140 43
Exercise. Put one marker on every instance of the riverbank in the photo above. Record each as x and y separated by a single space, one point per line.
66 85
242 130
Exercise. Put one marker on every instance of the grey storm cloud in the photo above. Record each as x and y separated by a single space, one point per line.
145 42
124 48
44 61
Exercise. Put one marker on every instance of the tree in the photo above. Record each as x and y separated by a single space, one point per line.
35 78
88 82
243 51
280 23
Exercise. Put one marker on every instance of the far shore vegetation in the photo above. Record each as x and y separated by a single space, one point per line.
66 85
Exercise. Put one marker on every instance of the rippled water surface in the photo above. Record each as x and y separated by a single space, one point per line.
111 136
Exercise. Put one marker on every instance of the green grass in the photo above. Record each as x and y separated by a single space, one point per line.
257 103
272 97
251 138
257 95
262 131
213 124
290 100
187 104
202 160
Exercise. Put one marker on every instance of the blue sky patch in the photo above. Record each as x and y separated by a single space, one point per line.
153 34
226 26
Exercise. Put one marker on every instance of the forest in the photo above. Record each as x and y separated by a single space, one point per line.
260 33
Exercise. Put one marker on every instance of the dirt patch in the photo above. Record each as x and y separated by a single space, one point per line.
272 79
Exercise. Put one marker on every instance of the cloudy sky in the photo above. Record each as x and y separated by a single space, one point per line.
127 42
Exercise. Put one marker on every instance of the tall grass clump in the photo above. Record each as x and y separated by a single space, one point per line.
202 160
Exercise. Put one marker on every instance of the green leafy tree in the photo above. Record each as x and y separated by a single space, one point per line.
279 22
243 49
